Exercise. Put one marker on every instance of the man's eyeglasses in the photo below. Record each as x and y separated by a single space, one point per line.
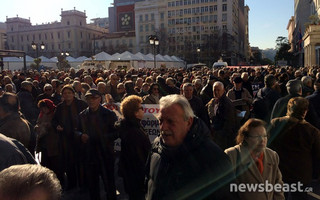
155 88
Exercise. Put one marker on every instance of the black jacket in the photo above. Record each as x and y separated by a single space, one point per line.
99 126
135 147
197 169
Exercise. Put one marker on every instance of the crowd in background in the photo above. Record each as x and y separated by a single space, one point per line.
64 115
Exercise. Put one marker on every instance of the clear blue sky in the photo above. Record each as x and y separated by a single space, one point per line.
268 19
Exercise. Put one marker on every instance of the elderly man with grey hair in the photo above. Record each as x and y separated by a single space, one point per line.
307 86
223 117
184 162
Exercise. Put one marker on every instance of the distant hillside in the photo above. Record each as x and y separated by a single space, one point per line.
269 53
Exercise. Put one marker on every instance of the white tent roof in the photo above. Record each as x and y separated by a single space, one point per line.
70 59
81 59
168 58
45 59
116 54
12 59
143 57
55 59
101 56
28 59
150 55
160 58
127 56
176 59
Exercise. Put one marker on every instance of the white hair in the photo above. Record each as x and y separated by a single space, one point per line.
170 100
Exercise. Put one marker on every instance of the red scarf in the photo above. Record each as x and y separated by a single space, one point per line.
259 162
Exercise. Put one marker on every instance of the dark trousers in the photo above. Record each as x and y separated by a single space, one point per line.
105 169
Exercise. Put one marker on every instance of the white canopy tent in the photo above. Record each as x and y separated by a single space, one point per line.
129 60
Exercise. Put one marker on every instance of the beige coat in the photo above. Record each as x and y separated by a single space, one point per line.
249 173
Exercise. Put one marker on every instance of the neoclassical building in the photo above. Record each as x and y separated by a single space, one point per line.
72 34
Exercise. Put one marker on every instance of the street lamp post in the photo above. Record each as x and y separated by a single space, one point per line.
62 59
154 41
198 52
36 47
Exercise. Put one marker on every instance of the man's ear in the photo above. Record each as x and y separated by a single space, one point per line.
190 121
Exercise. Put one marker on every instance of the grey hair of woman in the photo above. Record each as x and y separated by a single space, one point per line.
170 100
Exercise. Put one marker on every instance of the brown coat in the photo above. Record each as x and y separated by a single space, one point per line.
16 127
249 173
298 144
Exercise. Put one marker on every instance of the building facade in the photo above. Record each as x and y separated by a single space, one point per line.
311 38
116 42
72 34
217 27
3 35
151 19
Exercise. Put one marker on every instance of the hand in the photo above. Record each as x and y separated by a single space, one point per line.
59 128
84 138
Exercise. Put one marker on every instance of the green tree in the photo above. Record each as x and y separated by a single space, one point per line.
36 64
266 61
283 53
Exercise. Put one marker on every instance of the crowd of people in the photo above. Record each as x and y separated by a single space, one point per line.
217 127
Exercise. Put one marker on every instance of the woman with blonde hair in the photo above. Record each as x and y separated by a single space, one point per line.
135 146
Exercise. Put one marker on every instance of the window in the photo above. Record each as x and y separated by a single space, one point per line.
45 36
21 38
80 23
12 39
146 17
152 16
68 23
69 34
141 28
40 36
224 27
224 17
147 27
215 7
162 16
211 9
52 46
224 7
140 18
27 37
51 35
80 34
59 36
69 45
152 27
